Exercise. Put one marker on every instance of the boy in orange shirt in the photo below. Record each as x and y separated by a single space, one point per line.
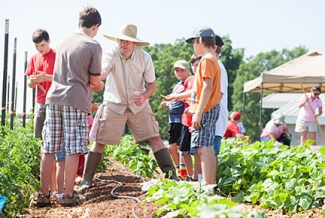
205 99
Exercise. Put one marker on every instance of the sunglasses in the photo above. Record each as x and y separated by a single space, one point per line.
316 93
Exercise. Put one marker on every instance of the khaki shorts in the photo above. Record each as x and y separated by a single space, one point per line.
305 126
111 125
39 118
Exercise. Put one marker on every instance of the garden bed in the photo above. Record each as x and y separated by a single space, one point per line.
101 203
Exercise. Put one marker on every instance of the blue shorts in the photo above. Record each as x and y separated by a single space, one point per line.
217 144
204 137
61 155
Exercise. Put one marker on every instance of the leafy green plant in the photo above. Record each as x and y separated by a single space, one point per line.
19 168
290 179
190 199
130 154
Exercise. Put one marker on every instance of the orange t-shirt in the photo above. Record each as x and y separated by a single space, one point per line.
207 68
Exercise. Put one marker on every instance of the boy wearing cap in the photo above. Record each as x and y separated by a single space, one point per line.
127 69
205 99
175 111
185 143
276 130
232 127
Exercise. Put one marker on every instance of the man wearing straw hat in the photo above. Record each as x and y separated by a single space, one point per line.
127 69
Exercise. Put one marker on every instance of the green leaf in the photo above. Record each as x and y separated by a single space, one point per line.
306 200
239 197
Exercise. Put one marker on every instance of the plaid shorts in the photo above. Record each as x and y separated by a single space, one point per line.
65 125
204 137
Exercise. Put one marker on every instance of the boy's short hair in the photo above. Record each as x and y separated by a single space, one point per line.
89 17
40 35
207 41
194 58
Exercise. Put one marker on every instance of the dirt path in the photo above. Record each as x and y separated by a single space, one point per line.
100 202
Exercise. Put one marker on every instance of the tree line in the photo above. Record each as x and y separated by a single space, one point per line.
239 69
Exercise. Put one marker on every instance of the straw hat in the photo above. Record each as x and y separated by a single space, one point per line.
128 32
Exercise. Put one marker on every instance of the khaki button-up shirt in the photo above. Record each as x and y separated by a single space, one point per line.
124 77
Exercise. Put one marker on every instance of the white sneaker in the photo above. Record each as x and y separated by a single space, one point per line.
52 196
59 198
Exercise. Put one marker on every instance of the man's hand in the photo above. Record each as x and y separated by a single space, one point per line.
139 99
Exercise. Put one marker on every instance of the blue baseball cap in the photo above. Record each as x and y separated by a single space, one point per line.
201 32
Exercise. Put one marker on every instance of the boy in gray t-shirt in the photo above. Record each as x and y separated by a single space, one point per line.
77 73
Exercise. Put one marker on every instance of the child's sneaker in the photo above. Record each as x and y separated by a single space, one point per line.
68 201
43 200
190 179
58 198
52 196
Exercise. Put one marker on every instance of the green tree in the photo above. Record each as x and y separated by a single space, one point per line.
164 56
250 70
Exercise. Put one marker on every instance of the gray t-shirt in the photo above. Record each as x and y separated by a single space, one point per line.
78 56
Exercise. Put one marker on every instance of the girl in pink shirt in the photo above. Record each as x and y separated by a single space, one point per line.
310 108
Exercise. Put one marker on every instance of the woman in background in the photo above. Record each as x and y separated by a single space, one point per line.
310 108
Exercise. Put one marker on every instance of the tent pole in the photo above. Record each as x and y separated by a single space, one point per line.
318 126
243 110
261 106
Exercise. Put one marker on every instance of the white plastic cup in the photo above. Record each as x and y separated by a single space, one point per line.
137 93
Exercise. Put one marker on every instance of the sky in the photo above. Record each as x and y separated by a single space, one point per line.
255 25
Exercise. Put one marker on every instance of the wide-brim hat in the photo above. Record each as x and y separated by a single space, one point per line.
279 119
128 32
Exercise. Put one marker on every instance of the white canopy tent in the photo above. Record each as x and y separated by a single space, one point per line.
308 69
297 75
